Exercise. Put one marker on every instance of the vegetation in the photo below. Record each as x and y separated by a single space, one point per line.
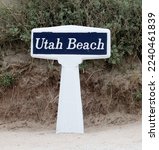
122 17
6 80
29 88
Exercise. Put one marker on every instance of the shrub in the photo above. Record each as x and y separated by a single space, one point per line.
6 80
122 17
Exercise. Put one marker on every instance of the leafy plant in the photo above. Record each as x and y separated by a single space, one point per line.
122 17
138 95
6 80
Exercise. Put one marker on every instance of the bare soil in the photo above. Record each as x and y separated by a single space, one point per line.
103 137
34 94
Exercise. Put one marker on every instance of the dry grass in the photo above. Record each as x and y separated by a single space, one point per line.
34 96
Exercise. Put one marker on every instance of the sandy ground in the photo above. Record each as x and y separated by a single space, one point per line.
119 137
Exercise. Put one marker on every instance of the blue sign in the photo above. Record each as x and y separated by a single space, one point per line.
89 43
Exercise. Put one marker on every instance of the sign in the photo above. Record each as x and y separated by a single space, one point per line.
70 45
83 42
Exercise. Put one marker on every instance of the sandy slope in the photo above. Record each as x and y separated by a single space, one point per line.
123 137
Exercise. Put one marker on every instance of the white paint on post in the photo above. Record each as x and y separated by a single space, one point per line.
70 115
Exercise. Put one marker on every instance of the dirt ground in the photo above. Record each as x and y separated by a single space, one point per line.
102 137
115 131
33 93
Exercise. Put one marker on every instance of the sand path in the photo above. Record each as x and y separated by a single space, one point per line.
123 137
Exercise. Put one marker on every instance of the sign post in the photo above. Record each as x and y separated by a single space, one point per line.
70 45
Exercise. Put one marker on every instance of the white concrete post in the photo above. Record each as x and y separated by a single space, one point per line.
70 115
